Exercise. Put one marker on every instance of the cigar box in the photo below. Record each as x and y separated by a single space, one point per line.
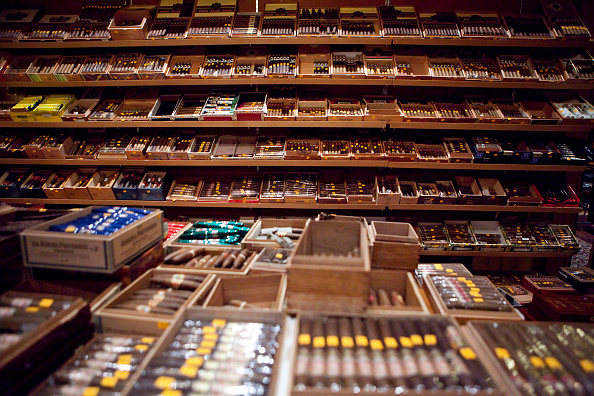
126 185
10 182
90 253
224 323
100 185
433 236
350 64
493 192
547 70
480 302
16 70
282 62
564 19
483 110
250 62
280 109
581 279
270 260
23 110
563 308
76 185
528 26
6 141
114 319
52 108
440 269
512 112
312 110
212 18
400 151
577 66
417 110
379 62
89 30
136 149
183 191
168 28
95 67
558 194
394 245
410 194
107 110
518 236
445 64
273 188
446 193
453 112
301 187
251 106
159 147
185 66
566 238
190 107
270 147
5 107
344 110
458 150
69 68
461 235
53 187
225 147
387 191
33 147
56 147
302 149
81 109
402 283
381 108
359 22
412 63
257 237
131 23
323 275
125 66
541 113
332 187
541 153
215 190
183 145
469 191
135 110
432 153
13 23
359 189
546 241
366 148
213 250
399 21
484 69
43 67
203 148
245 24
439 25
254 292
376 340
31 187
220 106
115 146
481 24
50 28
42 343
521 193
245 189
279 20
153 186
571 108
153 67
218 65
512 152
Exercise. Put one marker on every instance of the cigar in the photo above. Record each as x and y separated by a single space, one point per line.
383 298
317 364
240 259
182 256
302 360
332 373
241 304
348 367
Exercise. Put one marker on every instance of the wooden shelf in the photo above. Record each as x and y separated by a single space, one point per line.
293 206
494 254
217 41
397 82
301 124
291 163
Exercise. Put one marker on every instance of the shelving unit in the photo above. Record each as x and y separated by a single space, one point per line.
392 85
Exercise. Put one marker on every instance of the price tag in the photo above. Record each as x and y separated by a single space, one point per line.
124 359
189 371
416 339
141 347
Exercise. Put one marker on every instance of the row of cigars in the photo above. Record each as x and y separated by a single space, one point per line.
384 62
193 351
323 187
283 104
194 19
330 145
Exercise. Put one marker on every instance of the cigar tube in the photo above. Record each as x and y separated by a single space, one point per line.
240 304
317 363
219 262
230 259
364 367
182 256
380 369
240 259
382 297
372 297
332 373
303 353
348 367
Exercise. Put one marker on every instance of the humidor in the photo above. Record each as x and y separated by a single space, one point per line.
131 23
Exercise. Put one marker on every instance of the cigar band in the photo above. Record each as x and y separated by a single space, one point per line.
177 280
346 342
430 339
332 341
361 341
242 304
468 354
416 339
319 342
376 344
304 339
390 342
143 308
